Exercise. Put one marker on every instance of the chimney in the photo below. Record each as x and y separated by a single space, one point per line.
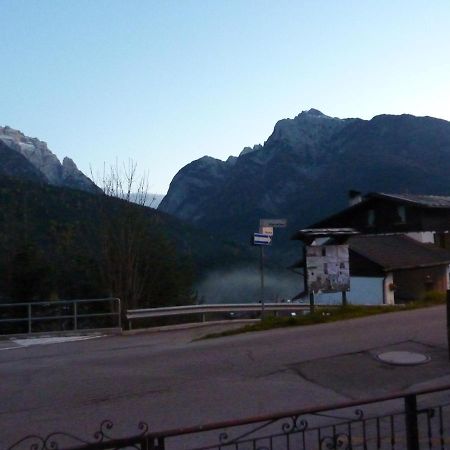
354 197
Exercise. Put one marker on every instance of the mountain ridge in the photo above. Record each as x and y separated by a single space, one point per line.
37 153
306 167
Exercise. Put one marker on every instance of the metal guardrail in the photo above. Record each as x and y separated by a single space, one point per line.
227 308
219 308
69 314
403 421
232 309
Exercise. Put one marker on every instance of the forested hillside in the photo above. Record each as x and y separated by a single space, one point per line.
63 243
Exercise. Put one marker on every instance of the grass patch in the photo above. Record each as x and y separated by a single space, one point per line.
325 315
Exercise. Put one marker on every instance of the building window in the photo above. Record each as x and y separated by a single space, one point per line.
401 211
371 218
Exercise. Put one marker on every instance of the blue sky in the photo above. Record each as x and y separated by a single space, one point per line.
166 82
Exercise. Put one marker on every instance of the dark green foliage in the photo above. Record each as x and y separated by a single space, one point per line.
324 315
52 245
67 244
139 264
29 275
434 297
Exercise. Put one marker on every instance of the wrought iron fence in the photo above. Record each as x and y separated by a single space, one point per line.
59 315
413 421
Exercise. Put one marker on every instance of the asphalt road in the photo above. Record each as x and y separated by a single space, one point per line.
168 380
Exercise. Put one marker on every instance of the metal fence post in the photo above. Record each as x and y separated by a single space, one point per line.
412 429
155 443
75 315
119 308
29 317
448 322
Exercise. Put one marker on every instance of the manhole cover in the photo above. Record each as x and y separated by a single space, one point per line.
403 358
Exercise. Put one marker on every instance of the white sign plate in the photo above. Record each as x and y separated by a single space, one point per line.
267 230
274 223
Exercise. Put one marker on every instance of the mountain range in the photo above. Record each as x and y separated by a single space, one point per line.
305 169
31 159
56 196
302 172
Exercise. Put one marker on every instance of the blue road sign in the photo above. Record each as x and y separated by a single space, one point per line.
262 239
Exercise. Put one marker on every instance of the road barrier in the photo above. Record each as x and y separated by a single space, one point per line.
232 310
59 316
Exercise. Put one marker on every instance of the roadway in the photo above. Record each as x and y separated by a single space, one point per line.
170 380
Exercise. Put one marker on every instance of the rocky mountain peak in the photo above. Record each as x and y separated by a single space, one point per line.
306 167
310 128
246 150
313 113
68 164
45 161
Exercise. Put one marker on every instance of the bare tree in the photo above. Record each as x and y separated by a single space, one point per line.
139 265
127 234
122 181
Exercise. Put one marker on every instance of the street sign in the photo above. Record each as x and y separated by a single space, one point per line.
266 230
261 239
274 223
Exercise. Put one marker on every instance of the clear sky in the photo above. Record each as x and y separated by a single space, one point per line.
166 82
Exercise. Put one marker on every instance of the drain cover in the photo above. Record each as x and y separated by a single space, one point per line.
403 358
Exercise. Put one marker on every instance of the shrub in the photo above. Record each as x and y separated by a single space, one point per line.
434 297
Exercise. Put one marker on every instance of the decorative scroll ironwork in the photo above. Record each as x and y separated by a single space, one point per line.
359 415
336 442
296 424
60 440
318 429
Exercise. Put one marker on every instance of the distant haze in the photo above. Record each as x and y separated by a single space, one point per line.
242 285
152 200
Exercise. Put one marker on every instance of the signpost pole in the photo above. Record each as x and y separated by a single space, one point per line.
261 266
312 307
264 237
344 298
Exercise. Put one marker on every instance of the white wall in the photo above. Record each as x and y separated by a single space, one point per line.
363 291
389 294
426 237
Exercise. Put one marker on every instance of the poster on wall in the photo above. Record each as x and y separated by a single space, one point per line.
328 268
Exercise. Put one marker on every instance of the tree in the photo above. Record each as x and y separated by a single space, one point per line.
138 263
29 275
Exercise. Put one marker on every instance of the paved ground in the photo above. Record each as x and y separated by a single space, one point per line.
170 381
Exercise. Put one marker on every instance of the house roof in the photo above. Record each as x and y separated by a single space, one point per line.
309 234
395 252
346 216
429 201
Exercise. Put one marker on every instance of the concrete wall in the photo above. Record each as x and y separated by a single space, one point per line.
363 291
389 293
413 284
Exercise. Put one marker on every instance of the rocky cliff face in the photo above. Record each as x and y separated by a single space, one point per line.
305 168
15 165
45 163
208 190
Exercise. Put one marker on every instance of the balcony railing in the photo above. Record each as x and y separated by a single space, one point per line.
411 421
